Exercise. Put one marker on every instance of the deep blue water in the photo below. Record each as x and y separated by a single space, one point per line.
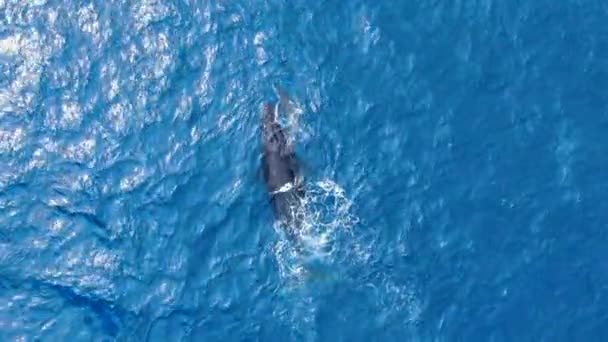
455 155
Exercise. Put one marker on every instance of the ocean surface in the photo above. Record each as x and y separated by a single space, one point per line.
455 155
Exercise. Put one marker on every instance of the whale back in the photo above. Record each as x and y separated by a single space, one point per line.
280 165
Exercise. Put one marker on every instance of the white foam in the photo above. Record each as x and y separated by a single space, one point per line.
324 211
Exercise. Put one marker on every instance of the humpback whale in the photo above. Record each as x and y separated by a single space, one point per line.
281 169
285 181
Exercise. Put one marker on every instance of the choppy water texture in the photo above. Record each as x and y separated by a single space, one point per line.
455 155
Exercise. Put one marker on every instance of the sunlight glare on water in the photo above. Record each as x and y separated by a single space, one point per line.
452 153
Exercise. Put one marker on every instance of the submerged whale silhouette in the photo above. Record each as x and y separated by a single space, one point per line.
281 169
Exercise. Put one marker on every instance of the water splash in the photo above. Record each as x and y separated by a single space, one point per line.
324 253
324 212
308 259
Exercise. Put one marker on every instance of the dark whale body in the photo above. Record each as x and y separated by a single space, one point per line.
281 169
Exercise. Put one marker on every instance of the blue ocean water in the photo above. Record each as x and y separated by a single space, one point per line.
453 157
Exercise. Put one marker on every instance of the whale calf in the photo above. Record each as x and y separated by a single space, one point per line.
281 168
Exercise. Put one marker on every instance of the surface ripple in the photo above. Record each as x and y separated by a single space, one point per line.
453 154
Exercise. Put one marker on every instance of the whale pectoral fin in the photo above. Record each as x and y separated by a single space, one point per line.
286 105
283 98
294 164
299 166
260 174
296 167
260 169
304 167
